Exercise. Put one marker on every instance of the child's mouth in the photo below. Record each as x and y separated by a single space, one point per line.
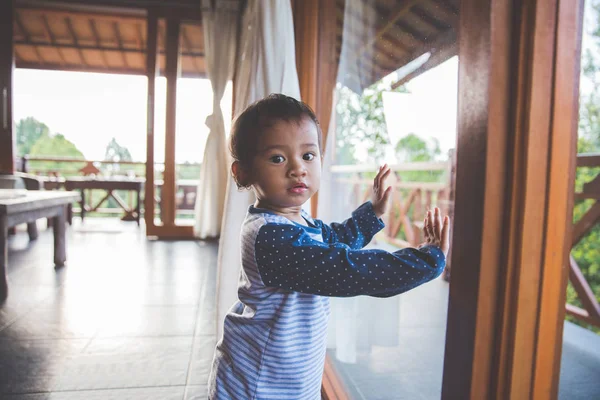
298 188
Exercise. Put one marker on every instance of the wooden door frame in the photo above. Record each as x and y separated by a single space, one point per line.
516 151
7 68
168 229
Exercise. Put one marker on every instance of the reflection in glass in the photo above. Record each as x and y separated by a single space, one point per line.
395 103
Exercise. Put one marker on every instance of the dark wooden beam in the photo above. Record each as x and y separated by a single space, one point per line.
98 48
97 40
27 36
516 149
172 73
51 38
7 66
75 40
151 74
120 43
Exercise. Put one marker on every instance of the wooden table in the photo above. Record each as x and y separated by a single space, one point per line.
26 207
109 185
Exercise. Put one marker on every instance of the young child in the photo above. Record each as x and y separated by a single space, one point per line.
274 338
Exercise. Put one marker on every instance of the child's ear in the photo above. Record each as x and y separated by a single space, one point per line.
240 175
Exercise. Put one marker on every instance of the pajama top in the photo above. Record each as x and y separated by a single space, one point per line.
274 339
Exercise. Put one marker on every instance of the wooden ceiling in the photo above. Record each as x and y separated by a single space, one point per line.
61 36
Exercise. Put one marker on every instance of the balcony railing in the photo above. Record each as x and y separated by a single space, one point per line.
412 198
55 170
417 187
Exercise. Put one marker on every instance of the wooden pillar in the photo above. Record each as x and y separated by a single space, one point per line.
315 34
172 73
151 73
7 66
516 151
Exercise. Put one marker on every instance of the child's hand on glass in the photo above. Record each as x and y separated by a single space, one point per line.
437 231
381 194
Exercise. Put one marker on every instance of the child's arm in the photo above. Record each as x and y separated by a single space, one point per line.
357 231
365 222
290 259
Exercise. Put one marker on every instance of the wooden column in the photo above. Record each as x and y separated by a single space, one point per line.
7 66
516 151
315 34
151 73
172 73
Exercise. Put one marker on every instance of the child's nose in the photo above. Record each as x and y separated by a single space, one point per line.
297 168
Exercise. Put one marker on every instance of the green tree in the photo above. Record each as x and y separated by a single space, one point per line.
115 152
29 130
412 148
55 146
587 251
361 123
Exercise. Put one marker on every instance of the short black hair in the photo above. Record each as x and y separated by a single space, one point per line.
258 117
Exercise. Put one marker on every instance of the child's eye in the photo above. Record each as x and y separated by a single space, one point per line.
308 156
277 159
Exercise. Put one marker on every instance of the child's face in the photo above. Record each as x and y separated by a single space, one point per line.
286 170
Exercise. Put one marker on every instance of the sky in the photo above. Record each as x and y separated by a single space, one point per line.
90 109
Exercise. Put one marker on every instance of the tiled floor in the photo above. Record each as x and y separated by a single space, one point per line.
127 318
130 318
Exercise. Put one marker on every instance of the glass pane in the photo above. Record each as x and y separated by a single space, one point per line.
580 365
395 103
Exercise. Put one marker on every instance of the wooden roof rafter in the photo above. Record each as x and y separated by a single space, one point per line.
52 38
27 37
75 40
98 42
188 44
120 43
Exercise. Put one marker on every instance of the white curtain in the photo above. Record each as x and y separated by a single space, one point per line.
266 64
220 21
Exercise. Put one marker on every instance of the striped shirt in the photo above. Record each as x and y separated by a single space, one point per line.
274 339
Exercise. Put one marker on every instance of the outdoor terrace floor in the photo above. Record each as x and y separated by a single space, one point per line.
131 318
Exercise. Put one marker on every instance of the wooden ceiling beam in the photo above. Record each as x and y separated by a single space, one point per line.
75 40
120 43
61 14
395 14
111 70
140 37
52 38
27 36
98 48
187 43
97 40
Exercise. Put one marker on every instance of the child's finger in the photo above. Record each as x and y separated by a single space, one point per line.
445 239
425 230
430 224
387 194
437 223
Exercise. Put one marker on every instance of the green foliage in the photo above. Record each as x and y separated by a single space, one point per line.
29 130
412 148
57 145
115 152
361 123
587 252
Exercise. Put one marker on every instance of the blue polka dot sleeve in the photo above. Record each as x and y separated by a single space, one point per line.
288 258
357 231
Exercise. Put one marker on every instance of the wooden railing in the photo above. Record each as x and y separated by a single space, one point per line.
590 313
56 169
410 199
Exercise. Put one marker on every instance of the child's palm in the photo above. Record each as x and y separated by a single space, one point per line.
381 194
436 230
